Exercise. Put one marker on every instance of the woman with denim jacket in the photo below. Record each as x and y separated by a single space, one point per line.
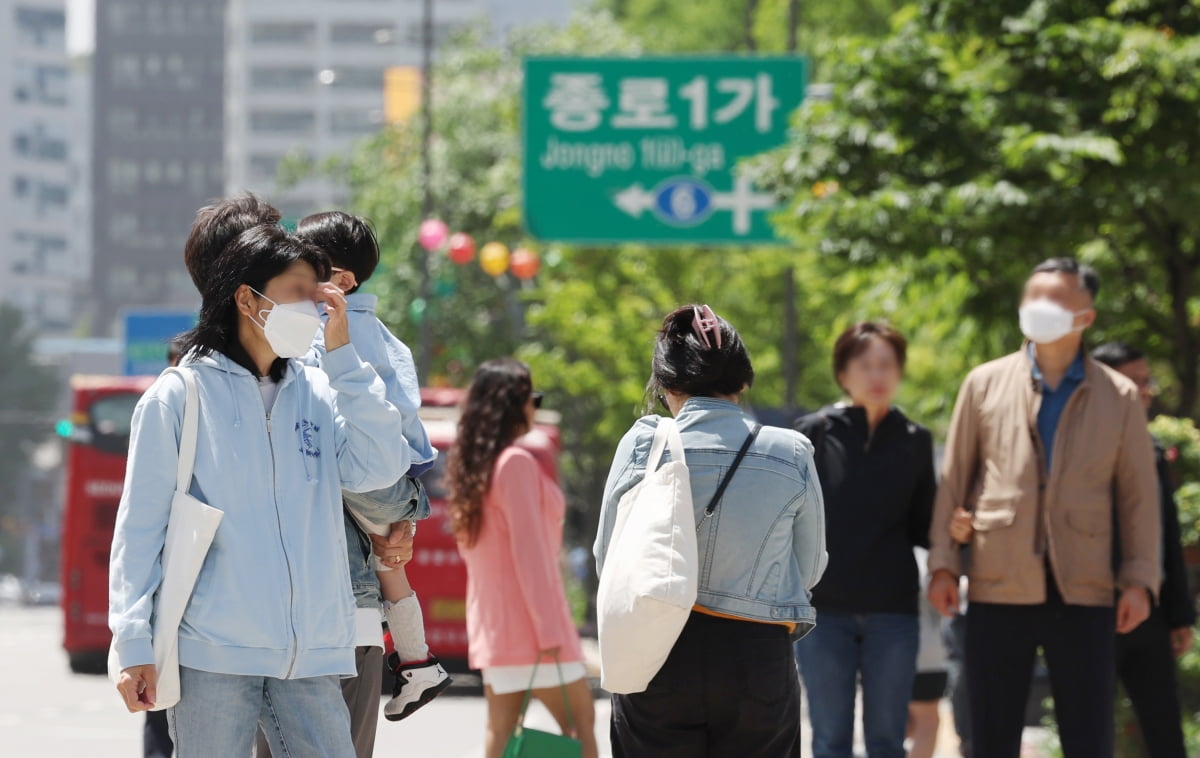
729 685
876 469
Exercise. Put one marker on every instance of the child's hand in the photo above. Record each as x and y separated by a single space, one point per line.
337 328
961 529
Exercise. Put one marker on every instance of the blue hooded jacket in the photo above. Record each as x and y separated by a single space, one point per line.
273 597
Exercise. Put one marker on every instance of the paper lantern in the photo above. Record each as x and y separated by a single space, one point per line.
493 258
462 248
432 234
524 263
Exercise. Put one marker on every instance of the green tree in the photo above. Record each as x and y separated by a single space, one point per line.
979 138
749 25
28 391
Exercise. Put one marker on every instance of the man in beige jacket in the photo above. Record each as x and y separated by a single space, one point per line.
1049 458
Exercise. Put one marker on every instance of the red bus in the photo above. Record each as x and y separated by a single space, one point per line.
98 442
437 572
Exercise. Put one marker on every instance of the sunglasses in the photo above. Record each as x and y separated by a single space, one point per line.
537 398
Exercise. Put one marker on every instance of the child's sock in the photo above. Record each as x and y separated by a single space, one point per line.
408 629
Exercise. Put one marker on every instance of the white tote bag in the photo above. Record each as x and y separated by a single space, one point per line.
649 584
190 531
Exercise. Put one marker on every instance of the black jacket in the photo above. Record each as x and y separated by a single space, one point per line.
1175 597
878 493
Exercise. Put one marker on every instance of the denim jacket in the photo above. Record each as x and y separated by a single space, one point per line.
763 549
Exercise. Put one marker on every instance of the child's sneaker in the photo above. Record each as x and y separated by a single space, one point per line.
416 685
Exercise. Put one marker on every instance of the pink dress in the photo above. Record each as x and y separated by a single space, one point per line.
516 605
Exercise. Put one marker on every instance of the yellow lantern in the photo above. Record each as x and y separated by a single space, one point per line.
493 258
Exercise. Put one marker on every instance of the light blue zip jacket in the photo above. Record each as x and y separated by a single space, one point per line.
273 596
763 550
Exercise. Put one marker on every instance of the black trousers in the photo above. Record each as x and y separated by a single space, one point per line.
156 739
1146 667
1002 644
728 689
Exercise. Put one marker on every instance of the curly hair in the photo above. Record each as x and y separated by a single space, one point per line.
492 418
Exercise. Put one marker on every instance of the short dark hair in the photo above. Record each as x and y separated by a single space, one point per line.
1087 275
348 240
1117 354
216 225
254 257
683 363
854 342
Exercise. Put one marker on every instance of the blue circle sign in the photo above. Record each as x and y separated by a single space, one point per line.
683 201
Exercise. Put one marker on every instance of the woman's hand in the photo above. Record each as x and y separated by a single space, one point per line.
396 548
138 687
961 528
337 328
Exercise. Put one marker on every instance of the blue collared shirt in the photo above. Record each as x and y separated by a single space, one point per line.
1054 401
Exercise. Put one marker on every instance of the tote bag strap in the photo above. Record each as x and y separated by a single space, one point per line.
529 695
190 431
666 437
737 461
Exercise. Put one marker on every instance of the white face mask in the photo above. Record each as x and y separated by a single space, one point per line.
1045 321
289 327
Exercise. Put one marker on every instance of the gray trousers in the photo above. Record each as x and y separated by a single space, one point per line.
361 694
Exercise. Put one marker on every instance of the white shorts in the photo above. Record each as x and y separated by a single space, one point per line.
506 679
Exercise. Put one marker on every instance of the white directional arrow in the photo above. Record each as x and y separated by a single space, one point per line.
742 201
635 200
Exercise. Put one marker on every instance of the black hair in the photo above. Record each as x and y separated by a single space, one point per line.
1116 354
174 350
215 226
1087 275
254 257
683 363
348 240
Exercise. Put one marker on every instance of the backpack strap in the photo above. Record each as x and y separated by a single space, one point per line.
737 461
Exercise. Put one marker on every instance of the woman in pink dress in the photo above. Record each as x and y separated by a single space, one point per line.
508 516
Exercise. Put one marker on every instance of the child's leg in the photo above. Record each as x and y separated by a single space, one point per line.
393 584
404 617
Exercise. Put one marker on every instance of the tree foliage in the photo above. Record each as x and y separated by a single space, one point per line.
979 138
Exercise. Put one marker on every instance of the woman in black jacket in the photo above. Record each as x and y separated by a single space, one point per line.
876 471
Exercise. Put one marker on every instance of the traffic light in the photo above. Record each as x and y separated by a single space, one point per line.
64 428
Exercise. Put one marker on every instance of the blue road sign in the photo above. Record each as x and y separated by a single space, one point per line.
146 336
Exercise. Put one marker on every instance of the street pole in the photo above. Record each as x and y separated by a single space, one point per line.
793 22
425 350
790 373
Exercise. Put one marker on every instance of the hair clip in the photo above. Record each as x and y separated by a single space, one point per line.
705 321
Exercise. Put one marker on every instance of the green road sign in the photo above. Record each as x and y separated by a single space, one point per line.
646 149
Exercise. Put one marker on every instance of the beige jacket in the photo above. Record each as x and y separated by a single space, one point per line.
1102 478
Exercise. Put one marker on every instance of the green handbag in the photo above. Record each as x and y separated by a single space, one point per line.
531 743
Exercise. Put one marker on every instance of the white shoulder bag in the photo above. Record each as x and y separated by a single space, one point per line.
650 577
190 531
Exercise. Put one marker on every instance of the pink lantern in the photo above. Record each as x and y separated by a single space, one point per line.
432 234
462 248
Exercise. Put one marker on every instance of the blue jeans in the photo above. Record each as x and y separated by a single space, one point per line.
880 646
218 714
